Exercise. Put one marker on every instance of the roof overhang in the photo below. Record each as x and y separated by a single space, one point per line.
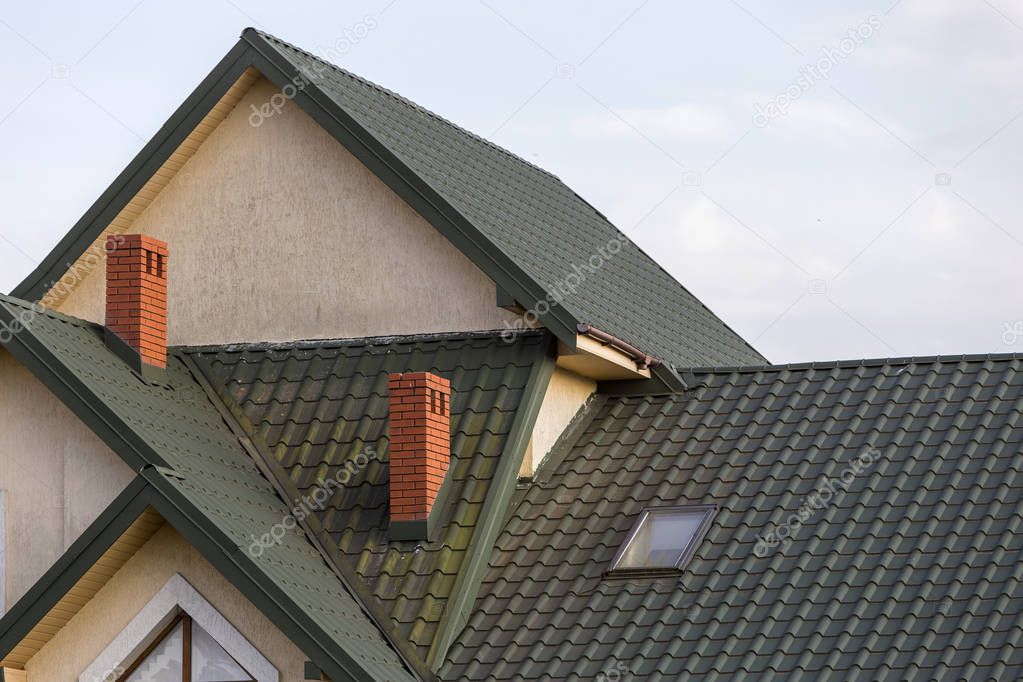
598 358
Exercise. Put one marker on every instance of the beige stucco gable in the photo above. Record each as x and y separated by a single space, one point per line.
277 232
56 474
78 644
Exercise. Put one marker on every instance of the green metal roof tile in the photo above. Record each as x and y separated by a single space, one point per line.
318 405
916 567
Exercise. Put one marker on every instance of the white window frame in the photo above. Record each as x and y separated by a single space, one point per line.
175 596
686 551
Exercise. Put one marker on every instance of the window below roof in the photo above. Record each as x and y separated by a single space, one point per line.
663 539
184 652
152 647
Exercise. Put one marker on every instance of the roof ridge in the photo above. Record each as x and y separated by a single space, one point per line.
404 100
380 340
862 362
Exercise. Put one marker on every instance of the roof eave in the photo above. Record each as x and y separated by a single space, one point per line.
134 176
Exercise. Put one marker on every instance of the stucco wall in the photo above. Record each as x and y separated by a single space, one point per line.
565 396
277 232
58 476
90 631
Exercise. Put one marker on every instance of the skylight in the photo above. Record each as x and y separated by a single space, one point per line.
663 538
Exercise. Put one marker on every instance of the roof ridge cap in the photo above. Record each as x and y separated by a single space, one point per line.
379 340
856 362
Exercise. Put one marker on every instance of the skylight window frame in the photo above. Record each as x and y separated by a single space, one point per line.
686 553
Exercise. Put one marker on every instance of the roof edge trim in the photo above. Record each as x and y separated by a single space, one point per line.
492 516
643 360
695 372
73 563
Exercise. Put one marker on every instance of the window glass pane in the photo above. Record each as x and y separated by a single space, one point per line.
163 664
661 538
210 663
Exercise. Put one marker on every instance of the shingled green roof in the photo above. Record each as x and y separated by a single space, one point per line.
172 429
912 568
317 406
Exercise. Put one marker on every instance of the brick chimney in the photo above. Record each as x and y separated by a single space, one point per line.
420 450
137 296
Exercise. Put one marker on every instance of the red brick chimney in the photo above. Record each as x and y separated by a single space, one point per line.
420 450
137 295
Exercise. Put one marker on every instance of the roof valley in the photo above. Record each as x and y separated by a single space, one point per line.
236 420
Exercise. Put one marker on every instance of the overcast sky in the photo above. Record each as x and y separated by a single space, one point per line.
834 182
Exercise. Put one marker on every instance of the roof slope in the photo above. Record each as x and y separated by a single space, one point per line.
537 221
320 407
912 572
176 427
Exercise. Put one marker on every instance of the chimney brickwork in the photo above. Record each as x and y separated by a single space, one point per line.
136 309
420 445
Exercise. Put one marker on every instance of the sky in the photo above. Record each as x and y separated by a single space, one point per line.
834 180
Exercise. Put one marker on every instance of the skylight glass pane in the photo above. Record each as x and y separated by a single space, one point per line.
210 663
163 664
661 538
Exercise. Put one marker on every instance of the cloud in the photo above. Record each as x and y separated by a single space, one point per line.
818 115
678 121
814 120
977 43
701 228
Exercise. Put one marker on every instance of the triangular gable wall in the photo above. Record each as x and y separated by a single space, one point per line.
277 232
